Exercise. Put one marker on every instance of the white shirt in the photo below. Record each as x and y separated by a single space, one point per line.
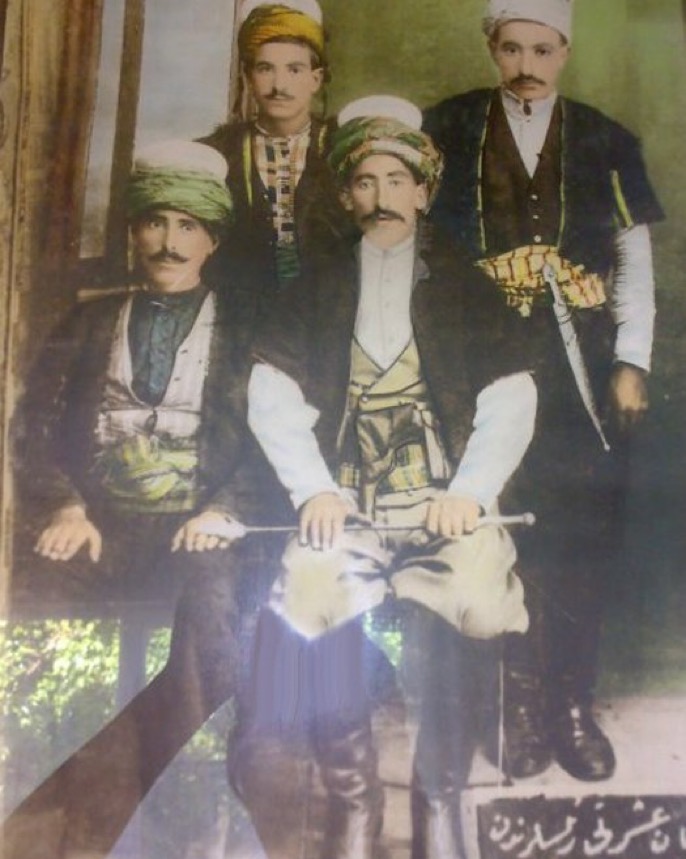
283 422
632 293
383 327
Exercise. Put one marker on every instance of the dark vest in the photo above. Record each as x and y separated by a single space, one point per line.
604 182
519 209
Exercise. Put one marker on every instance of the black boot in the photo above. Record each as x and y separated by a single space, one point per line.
348 766
272 775
444 671
581 748
436 826
527 747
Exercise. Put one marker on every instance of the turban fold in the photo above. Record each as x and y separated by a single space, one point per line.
361 137
552 13
182 175
202 197
270 22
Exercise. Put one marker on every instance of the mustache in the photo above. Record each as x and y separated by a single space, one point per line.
167 256
387 214
280 94
527 79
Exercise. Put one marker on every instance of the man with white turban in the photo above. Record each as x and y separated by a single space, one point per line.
545 192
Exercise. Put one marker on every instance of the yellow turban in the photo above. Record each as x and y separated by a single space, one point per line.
267 23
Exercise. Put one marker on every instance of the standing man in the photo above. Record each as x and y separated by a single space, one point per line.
141 468
531 179
370 403
285 200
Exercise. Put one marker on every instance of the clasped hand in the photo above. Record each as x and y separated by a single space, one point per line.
323 517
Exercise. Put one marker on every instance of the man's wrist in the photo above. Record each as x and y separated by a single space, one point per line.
620 364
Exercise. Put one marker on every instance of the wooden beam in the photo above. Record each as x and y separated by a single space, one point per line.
125 134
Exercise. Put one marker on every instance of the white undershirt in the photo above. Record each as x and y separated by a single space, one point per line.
383 327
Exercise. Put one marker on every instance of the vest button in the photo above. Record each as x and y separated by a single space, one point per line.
538 239
534 197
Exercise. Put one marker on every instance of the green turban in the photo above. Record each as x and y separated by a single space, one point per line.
361 137
182 175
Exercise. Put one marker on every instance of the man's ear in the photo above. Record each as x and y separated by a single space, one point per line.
421 200
318 79
346 199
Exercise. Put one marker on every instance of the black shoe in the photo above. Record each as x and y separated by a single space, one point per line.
436 830
527 749
580 746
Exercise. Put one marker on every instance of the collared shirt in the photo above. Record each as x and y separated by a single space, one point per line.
280 162
383 327
529 122
158 325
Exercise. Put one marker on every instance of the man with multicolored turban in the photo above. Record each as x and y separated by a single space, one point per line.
137 460
285 200
551 196
384 393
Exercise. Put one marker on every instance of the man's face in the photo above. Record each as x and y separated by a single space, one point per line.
283 84
385 199
171 247
529 57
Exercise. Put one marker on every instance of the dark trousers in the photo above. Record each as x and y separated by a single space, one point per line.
569 558
87 802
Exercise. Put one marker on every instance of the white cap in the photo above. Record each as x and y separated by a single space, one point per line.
308 7
382 106
551 13
182 155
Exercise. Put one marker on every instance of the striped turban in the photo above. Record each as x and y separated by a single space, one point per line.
385 125
268 23
184 176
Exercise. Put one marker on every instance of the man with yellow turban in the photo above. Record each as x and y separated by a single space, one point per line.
384 393
286 205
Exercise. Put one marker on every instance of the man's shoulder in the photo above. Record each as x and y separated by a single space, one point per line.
457 106
586 116
227 136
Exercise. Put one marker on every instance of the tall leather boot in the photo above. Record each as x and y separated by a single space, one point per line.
349 770
527 749
436 828
442 670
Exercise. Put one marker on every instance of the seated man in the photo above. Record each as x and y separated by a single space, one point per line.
387 393
135 434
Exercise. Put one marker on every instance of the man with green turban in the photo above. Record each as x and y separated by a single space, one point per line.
138 469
